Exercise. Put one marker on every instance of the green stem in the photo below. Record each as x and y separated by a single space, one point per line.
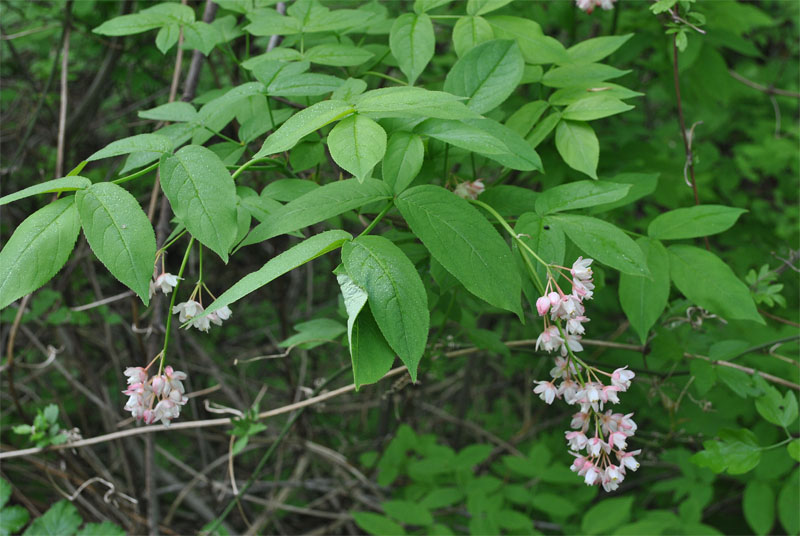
378 218
223 136
776 445
387 77
245 166
508 229
165 246
172 304
269 110
136 175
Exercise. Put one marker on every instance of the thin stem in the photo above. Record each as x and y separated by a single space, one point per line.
378 218
136 175
387 77
172 304
164 247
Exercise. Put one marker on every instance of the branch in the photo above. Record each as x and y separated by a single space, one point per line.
764 89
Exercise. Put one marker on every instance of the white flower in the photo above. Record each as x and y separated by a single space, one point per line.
612 477
549 339
621 378
575 325
591 476
574 343
569 390
576 440
165 283
627 459
580 420
546 391
618 439
580 269
187 310
223 313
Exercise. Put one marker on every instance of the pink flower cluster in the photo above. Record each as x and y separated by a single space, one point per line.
165 392
589 5
581 385
566 307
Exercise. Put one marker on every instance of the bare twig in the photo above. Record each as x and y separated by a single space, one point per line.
193 77
764 89
62 111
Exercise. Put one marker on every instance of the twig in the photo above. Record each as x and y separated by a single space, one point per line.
193 76
62 111
12 335
275 40
764 89
104 301
748 370
687 142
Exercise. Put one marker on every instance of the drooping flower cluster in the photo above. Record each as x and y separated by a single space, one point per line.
580 385
470 189
190 310
589 5
155 399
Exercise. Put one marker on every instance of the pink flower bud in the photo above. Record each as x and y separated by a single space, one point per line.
543 305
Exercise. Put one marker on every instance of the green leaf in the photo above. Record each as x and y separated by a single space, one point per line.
462 135
553 504
522 120
64 184
61 519
580 194
167 37
304 85
302 124
397 296
377 524
472 455
569 95
607 515
518 154
536 47
357 144
642 184
412 42
692 222
12 519
403 160
370 354
286 190
422 6
201 36
738 381
543 129
203 196
737 452
153 143
777 409
172 111
297 255
758 505
579 74
604 242
5 492
578 146
793 448
314 333
704 373
464 242
710 283
38 249
166 14
408 513
269 22
106 528
337 55
481 7
120 234
319 205
644 298
470 32
788 500
594 107
412 102
597 48
487 74
349 90
440 497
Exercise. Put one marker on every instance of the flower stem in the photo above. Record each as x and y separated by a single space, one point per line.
172 304
378 218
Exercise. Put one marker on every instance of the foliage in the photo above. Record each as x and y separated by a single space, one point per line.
382 180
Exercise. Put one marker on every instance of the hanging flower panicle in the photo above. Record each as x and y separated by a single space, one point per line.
157 398
581 385
190 310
